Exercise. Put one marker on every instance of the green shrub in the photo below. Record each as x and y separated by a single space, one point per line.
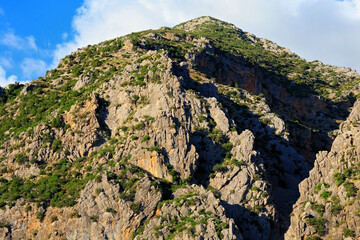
97 178
75 214
257 177
313 238
5 225
56 122
318 208
236 162
219 168
40 215
325 194
135 98
350 189
214 191
56 145
96 63
348 232
155 149
135 207
98 191
110 210
318 224
54 218
340 178
216 135
139 126
94 218
145 138
336 209
20 158
28 208
201 118
170 94
266 121
227 146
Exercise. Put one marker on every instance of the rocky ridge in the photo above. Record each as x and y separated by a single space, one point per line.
164 134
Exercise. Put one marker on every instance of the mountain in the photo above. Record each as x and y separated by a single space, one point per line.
201 131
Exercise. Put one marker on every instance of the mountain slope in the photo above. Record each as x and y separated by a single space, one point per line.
199 130
328 207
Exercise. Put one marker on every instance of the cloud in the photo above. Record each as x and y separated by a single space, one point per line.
326 30
64 36
6 80
31 42
9 39
5 62
33 68
352 7
97 21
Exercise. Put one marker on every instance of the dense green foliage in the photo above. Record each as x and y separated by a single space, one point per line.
10 93
37 106
348 232
318 224
59 187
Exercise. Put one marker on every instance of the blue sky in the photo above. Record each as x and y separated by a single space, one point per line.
34 35
29 33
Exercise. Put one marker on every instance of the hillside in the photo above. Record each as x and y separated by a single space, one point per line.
328 207
201 131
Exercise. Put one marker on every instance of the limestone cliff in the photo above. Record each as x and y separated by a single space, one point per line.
200 131
328 207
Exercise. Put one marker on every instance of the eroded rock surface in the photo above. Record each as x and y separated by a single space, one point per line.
328 206
195 132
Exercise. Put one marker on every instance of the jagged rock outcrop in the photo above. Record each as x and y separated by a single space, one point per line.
328 207
194 213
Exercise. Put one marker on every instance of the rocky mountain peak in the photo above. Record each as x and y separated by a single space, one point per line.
201 22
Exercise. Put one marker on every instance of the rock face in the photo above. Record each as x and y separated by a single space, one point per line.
328 206
281 100
97 215
178 134
193 212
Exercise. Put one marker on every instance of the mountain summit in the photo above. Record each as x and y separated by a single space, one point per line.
201 131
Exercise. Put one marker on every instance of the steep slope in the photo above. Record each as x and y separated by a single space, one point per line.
310 96
328 207
202 130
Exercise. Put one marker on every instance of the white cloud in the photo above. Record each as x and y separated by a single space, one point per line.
31 42
11 40
33 68
6 80
352 9
97 21
315 29
64 36
5 62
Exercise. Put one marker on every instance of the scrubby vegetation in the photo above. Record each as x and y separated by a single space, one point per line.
68 142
